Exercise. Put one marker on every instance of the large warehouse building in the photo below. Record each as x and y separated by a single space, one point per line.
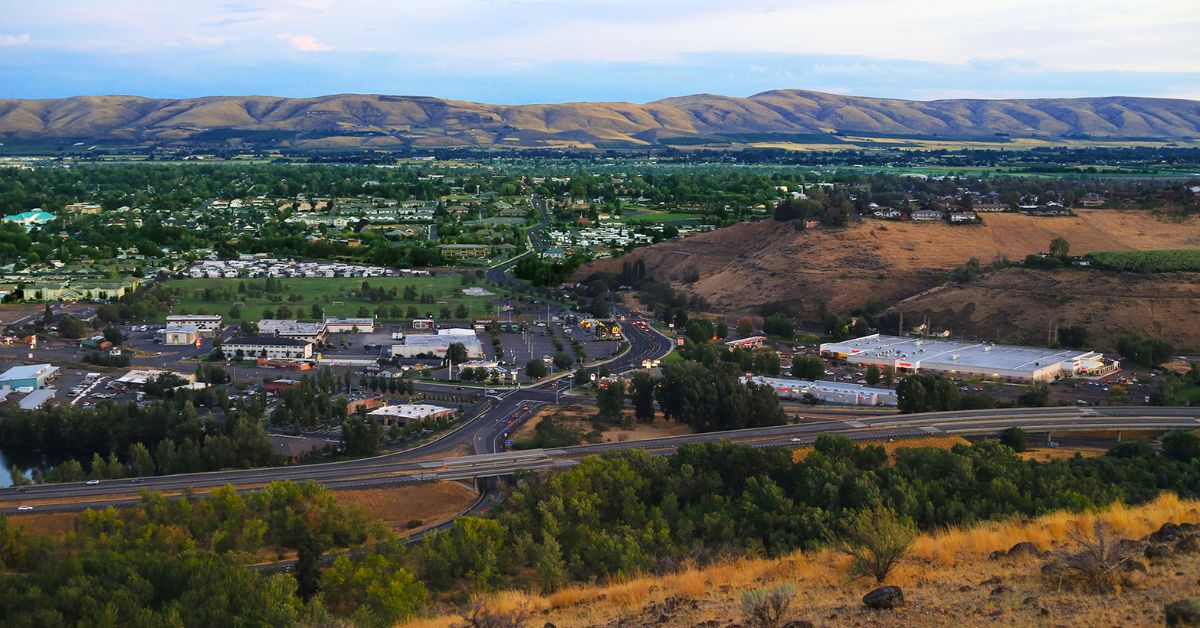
436 345
966 359
828 392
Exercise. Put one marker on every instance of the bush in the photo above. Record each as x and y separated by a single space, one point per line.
1016 438
765 608
876 541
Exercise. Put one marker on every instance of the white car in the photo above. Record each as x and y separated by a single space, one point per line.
93 482
24 508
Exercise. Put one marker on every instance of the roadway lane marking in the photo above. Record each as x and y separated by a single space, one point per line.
930 429
855 424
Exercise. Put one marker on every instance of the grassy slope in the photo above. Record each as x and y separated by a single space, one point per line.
941 579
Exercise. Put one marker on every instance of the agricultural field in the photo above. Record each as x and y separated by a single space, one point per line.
1170 261
391 298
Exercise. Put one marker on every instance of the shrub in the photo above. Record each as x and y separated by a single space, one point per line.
877 540
765 608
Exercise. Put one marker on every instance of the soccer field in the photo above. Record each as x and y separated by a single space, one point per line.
385 298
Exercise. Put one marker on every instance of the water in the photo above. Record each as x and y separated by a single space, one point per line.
25 463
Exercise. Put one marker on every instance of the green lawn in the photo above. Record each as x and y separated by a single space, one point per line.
337 296
661 217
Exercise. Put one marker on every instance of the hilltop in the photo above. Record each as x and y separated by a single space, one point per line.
745 265
785 116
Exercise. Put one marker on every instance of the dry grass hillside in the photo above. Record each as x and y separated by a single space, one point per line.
1018 305
749 264
948 579
792 116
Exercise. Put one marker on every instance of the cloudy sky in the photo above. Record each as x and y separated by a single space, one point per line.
523 51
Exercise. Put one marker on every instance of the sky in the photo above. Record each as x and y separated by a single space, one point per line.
538 51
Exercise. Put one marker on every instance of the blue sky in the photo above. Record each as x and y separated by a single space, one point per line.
524 51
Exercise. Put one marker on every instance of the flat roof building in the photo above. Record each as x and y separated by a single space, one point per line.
141 377
36 399
343 325
405 412
177 335
206 324
828 392
416 345
969 358
270 347
33 376
298 330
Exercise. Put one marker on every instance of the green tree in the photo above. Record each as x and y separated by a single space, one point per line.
1060 248
457 353
563 360
809 367
140 462
1016 438
610 400
643 396
581 377
550 567
1181 446
308 568
779 324
1036 395
535 368
872 375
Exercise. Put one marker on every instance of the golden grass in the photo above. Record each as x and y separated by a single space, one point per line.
396 506
938 564
580 417
890 446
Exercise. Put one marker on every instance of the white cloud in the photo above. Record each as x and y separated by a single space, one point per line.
208 40
303 43
15 40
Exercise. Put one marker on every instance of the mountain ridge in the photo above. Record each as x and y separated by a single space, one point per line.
381 120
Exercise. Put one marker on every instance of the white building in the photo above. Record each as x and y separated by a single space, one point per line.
343 325
140 377
297 330
405 412
436 345
206 324
828 392
971 359
176 335
270 347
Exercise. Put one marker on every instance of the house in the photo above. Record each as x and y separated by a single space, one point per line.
82 208
178 335
294 447
888 214
1049 209
1093 200
30 219
466 251
963 217
34 376
990 207
405 412
206 324
928 215
271 347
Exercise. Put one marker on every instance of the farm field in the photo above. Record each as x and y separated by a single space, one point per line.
336 296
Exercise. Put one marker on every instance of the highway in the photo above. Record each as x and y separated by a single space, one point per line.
438 460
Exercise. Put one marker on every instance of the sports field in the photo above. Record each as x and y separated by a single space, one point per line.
386 297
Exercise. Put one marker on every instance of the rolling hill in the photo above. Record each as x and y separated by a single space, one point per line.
738 268
794 116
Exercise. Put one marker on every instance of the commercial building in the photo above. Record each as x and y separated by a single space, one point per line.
971 359
827 392
206 324
30 219
36 399
140 377
177 335
33 376
753 342
405 412
423 323
270 347
297 330
343 325
436 345
466 251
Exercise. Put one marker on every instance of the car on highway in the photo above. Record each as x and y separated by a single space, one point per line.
24 508
93 482
137 481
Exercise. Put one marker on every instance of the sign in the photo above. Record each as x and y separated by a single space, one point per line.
679 341
508 442
904 364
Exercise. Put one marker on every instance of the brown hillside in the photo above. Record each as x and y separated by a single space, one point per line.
748 264
1018 305
800 116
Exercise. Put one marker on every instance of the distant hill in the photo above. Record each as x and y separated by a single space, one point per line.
791 116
